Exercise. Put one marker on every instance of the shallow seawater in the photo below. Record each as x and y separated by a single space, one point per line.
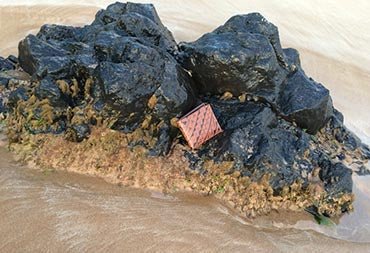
48 211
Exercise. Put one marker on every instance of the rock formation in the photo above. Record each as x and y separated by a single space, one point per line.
126 72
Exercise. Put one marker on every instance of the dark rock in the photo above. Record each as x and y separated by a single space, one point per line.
350 140
342 134
83 65
13 59
135 72
3 107
363 171
39 57
146 10
255 23
48 89
127 89
57 67
11 77
137 20
4 79
8 63
17 95
292 58
305 102
104 45
163 145
175 95
365 150
234 62
3 82
136 25
336 176
258 142
10 81
242 56
78 133
73 47
57 32
245 56
338 116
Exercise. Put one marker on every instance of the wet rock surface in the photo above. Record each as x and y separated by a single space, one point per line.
259 142
8 63
126 72
305 102
245 56
123 61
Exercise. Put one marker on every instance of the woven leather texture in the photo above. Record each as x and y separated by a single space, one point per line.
199 125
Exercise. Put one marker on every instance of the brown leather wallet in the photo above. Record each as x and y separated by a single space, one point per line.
199 125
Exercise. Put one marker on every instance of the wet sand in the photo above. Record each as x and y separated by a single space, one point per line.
58 212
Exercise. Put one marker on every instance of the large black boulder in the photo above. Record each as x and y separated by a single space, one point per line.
234 62
37 57
245 56
242 56
305 102
126 88
141 74
136 20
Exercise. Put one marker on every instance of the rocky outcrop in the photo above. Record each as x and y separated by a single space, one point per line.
138 79
123 61
282 137
259 142
245 56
